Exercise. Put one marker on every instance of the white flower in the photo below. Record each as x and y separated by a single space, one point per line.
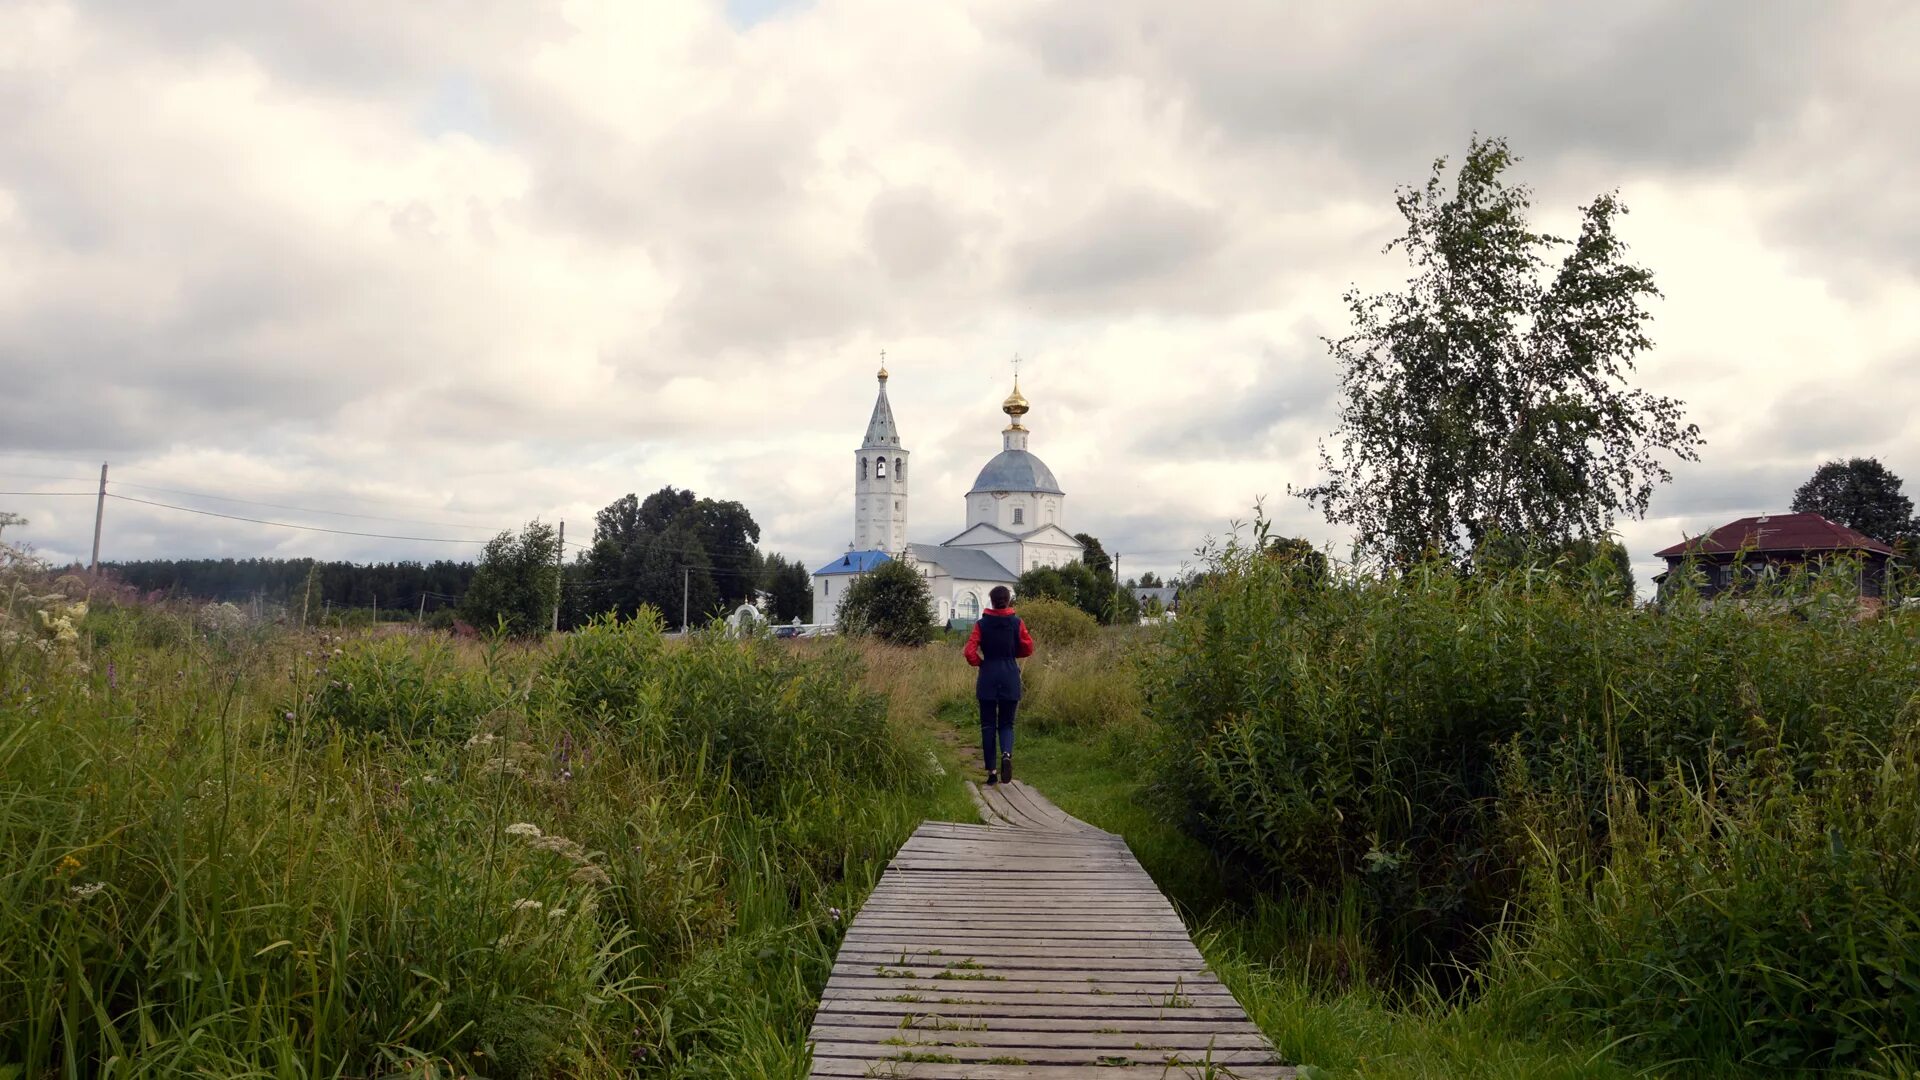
590 874
481 739
91 888
524 828
557 914
527 905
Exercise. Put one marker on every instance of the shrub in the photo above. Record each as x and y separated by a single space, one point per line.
892 603
1431 739
403 687
1055 624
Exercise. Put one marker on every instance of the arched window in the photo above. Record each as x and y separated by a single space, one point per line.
880 468
967 606
863 468
899 468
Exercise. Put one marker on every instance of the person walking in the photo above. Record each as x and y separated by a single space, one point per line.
998 641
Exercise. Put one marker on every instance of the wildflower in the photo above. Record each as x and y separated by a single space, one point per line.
589 874
556 914
287 716
69 866
482 739
833 913
527 905
524 828
91 888
560 845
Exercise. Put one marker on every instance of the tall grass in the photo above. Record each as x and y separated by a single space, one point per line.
1689 829
300 855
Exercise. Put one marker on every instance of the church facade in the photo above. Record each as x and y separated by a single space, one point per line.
1015 520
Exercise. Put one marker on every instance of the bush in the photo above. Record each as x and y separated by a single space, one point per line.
1056 625
892 603
503 880
1432 740
402 686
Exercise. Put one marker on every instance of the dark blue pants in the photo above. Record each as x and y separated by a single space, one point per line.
996 725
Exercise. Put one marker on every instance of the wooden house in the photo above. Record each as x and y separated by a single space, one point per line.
1739 553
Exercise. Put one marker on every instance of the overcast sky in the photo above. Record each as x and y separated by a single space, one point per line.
469 263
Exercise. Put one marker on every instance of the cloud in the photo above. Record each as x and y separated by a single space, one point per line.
495 260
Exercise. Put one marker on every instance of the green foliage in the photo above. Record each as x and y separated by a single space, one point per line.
1054 624
1602 567
294 585
1432 741
1491 396
789 589
671 550
892 603
400 687
1861 494
628 866
1746 914
517 582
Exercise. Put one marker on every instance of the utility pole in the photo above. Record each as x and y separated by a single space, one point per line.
559 574
1116 589
686 581
421 619
306 594
376 609
99 514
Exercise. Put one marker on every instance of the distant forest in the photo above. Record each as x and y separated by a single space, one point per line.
284 582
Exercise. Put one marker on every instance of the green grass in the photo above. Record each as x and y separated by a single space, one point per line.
265 853
1341 1031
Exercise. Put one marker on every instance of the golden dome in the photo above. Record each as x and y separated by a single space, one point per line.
1016 403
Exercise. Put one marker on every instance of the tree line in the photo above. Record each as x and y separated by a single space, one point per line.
675 551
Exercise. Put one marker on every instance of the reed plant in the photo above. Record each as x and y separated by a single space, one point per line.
272 853
1618 813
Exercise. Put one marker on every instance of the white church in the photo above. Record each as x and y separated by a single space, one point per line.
1016 515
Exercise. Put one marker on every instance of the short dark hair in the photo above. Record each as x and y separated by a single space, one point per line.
1000 597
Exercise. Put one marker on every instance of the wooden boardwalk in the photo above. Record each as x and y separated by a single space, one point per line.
1030 947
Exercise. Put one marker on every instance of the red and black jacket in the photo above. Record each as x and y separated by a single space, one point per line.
998 641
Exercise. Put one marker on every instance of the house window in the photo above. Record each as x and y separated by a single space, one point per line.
880 468
1019 515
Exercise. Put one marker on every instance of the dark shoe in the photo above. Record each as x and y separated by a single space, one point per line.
992 778
1006 767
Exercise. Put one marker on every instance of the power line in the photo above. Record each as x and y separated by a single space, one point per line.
46 476
286 524
47 493
302 509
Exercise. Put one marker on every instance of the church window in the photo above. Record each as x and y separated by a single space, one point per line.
968 606
899 468
1019 515
828 588
863 468
880 468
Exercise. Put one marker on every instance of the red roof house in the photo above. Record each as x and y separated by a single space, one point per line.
1745 549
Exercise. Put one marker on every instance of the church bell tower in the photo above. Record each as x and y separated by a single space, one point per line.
880 481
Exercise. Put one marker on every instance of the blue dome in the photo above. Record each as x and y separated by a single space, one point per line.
1016 470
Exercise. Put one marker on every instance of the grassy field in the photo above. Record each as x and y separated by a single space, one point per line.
255 852
229 850
1704 823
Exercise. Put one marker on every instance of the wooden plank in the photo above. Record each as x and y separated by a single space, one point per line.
834 1067
1030 948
